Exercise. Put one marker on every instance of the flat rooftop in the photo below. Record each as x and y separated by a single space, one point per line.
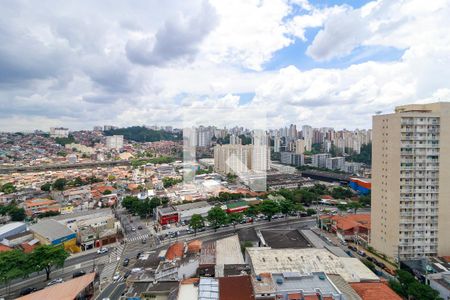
307 261
277 239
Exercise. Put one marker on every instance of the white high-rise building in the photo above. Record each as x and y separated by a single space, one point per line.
114 142
237 159
59 132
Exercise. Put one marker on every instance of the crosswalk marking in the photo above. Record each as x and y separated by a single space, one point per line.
110 261
137 238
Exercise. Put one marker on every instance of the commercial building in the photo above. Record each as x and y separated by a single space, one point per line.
11 229
114 142
410 176
361 185
50 232
306 261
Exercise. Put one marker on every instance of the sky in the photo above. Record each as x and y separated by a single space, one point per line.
334 63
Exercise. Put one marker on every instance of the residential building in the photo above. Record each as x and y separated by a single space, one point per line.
335 163
290 158
410 176
114 142
299 146
237 159
276 144
320 160
59 132
38 206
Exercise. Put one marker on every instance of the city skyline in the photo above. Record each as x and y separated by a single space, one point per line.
303 64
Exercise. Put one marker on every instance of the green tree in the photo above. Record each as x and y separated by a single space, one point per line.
17 214
8 188
355 206
286 206
252 211
342 207
46 187
217 217
341 193
60 184
48 257
365 200
235 218
196 222
269 208
13 264
310 211
107 192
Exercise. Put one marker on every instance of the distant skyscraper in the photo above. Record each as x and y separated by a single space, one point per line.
276 144
411 181
299 146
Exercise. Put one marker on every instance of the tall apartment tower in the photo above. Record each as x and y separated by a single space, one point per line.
411 181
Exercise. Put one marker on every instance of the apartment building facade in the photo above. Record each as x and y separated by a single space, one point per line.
410 184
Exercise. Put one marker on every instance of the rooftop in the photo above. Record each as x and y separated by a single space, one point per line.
263 284
183 207
307 261
208 289
294 281
228 251
51 229
284 239
375 291
64 291
10 226
175 251
236 287
350 221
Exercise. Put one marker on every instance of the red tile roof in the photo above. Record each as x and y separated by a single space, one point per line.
351 221
27 248
4 248
175 251
375 291
311 297
194 246
236 287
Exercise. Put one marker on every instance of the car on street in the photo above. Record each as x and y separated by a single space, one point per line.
353 248
138 255
127 274
78 274
55 281
126 262
116 276
362 253
27 291
144 241
139 227
102 250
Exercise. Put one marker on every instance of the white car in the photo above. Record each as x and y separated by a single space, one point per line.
116 276
55 281
102 250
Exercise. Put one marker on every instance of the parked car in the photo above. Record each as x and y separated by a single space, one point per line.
138 255
27 291
362 253
143 241
133 228
102 250
352 248
127 274
78 274
349 253
139 227
371 259
126 262
380 264
55 281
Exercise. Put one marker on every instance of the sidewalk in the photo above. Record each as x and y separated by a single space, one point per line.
93 250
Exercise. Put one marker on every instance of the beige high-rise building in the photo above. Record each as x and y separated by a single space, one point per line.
299 146
411 181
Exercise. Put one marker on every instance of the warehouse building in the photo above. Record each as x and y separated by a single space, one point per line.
51 232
